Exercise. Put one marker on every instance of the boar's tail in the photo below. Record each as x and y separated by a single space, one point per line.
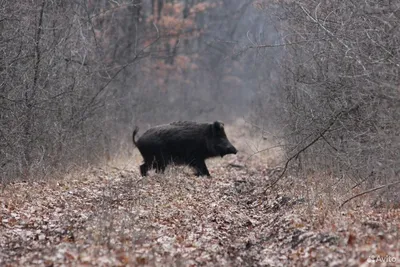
134 134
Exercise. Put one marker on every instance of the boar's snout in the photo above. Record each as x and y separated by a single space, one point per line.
228 149
233 150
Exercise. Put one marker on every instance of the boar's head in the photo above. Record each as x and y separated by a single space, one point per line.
218 142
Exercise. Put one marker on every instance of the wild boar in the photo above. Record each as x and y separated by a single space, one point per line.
182 143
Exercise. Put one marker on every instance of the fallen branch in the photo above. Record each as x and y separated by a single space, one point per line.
238 166
368 191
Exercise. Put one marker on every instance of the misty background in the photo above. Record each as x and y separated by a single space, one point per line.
320 78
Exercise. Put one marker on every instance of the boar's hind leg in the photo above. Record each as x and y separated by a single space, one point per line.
159 163
201 168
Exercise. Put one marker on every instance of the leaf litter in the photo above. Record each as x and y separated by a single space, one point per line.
114 217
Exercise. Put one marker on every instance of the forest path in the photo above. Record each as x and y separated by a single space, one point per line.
114 217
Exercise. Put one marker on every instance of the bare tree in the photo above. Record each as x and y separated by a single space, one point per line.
50 94
340 63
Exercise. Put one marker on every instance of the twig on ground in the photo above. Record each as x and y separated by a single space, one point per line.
368 191
233 165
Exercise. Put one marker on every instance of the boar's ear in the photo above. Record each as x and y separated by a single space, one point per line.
218 125
216 128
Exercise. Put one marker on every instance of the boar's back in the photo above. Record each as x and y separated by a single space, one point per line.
179 141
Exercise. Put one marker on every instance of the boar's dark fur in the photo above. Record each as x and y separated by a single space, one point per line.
182 143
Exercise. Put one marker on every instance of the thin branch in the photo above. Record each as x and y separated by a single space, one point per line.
326 140
263 150
37 52
259 46
320 135
315 20
367 192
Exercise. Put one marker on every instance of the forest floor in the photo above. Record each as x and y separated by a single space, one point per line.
113 217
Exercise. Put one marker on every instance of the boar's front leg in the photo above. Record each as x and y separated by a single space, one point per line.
160 168
201 168
143 169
